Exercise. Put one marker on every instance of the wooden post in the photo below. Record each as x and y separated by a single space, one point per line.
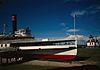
16 59
10 59
1 57
7 60
7 54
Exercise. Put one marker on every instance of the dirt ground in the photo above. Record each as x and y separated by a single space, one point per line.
59 64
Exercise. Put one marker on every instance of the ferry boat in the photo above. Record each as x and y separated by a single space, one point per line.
22 40
56 49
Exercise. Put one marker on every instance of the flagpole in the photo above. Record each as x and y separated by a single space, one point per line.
75 37
74 23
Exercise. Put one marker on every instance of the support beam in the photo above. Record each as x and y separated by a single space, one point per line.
7 60
0 57
0 60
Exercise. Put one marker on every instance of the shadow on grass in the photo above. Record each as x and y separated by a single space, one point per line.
85 67
78 58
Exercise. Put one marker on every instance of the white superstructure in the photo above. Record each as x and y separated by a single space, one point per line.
23 33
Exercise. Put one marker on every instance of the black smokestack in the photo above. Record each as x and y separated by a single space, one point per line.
14 23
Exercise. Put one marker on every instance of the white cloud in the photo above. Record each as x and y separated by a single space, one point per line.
90 7
73 30
78 13
79 37
71 1
98 7
88 10
63 24
93 12
93 9
82 37
98 37
65 27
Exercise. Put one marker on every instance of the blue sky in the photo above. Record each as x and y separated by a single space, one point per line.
52 18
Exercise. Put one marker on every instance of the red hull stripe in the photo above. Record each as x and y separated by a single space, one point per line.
64 57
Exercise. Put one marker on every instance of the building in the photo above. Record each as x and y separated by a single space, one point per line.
92 42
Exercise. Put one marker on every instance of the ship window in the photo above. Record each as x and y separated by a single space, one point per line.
1 45
92 43
5 45
64 43
47 43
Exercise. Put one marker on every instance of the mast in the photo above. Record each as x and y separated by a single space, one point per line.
4 29
75 29
74 23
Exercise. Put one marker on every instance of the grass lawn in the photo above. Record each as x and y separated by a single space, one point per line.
24 67
93 54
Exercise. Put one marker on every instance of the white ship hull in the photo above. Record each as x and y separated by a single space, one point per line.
60 49
56 52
